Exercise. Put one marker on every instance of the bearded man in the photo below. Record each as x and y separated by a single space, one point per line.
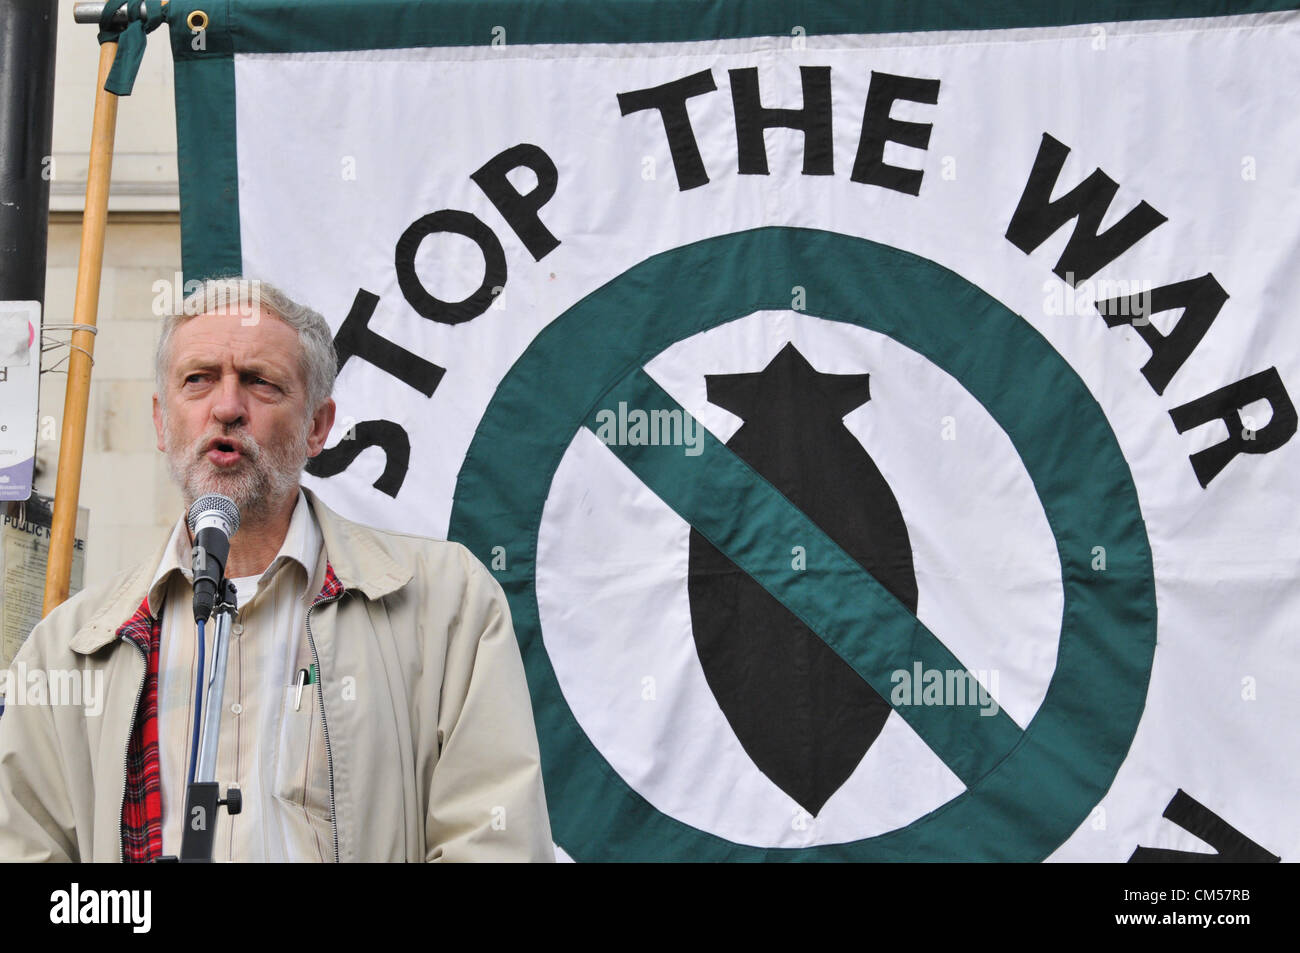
375 704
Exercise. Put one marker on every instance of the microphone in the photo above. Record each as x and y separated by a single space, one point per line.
213 519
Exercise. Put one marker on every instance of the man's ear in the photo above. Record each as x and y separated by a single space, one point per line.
158 424
321 422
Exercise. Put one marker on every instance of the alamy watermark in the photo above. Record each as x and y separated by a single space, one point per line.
21 685
1132 297
235 296
933 686
654 428
81 906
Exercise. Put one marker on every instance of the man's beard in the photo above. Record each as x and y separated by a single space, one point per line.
258 484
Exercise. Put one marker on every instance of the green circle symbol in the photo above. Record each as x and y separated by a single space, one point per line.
1027 802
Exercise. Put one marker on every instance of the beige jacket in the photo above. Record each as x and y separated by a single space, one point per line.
430 730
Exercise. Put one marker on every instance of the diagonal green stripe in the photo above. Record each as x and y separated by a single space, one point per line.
835 597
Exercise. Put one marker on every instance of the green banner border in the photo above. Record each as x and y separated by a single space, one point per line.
272 26
208 168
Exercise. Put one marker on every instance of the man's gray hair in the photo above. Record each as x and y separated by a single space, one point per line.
240 295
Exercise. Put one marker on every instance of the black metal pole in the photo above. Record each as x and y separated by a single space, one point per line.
27 36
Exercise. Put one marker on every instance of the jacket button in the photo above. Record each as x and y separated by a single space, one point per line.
237 628
236 708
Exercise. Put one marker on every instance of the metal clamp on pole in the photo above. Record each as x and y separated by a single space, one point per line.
88 12
52 345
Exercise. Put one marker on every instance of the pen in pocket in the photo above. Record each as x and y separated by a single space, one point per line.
306 676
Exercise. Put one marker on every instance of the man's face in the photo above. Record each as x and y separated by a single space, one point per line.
233 416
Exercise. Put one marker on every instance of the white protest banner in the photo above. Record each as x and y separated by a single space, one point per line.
879 417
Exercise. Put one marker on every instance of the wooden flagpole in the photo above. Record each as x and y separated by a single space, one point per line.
90 267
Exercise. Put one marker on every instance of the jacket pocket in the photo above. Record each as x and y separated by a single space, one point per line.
302 781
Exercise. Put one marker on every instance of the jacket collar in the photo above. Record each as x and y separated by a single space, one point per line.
355 553
117 610
359 558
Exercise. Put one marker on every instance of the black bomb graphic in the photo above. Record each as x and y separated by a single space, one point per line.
799 710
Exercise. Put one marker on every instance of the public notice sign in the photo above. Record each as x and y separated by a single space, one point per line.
24 556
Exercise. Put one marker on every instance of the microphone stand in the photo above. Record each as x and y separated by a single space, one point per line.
203 798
